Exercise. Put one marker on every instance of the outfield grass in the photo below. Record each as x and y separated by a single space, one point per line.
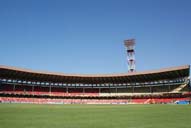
94 116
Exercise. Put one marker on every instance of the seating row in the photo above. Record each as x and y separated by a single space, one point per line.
88 101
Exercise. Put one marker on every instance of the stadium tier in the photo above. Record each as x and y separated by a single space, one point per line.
157 86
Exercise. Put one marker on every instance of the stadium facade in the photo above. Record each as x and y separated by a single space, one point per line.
169 85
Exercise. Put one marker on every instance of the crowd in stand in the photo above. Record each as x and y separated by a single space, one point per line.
58 95
88 101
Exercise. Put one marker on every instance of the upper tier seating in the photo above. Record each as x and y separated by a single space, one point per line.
60 91
53 91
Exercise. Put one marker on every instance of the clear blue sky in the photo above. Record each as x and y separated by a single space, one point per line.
86 36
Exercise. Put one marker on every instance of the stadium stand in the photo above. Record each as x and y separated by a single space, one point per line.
170 85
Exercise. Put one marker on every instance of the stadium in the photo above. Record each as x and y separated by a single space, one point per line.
46 99
95 64
30 98
169 85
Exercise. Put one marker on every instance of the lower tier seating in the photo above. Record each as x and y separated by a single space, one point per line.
89 101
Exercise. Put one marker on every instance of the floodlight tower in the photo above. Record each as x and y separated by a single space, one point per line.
130 45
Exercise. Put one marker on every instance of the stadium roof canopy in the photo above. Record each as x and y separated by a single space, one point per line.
7 72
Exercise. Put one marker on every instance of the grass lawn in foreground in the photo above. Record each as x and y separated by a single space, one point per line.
94 116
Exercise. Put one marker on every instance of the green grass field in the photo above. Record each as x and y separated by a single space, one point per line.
94 116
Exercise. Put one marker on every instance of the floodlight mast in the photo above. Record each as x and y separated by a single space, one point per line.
130 45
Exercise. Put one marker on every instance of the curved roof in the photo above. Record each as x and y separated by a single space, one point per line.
153 75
